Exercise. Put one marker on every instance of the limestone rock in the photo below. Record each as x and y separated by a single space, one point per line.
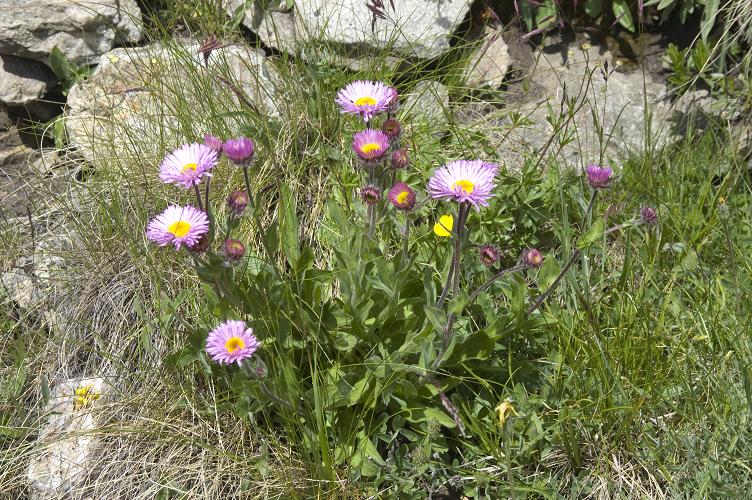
417 28
134 95
23 80
428 102
275 27
67 441
82 29
490 61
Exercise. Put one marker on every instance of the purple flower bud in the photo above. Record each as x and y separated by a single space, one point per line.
402 196
532 257
400 159
237 202
234 250
599 177
213 143
391 128
370 195
239 150
488 255
648 215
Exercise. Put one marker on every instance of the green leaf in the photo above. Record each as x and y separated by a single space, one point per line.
548 272
593 8
59 65
289 225
624 14
437 317
664 4
593 235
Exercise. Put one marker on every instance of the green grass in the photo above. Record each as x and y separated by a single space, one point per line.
634 381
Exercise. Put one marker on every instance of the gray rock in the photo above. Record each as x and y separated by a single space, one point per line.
490 62
12 148
23 80
428 102
276 27
81 29
147 92
67 440
552 108
417 29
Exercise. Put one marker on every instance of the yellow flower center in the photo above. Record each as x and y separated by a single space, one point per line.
464 184
188 166
234 344
370 147
402 197
179 228
365 101
444 227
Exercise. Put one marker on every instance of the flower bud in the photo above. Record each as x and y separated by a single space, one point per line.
370 195
213 143
648 215
237 202
402 196
400 159
201 245
598 177
391 128
532 257
488 255
234 250
239 150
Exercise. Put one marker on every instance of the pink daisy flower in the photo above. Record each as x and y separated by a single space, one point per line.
179 226
365 98
370 144
187 165
231 342
463 181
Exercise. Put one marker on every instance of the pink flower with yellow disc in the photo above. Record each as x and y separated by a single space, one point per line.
179 226
231 342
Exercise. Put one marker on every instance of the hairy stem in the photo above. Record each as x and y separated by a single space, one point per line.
198 198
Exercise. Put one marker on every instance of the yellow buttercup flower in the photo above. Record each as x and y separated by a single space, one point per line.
84 396
444 227
505 410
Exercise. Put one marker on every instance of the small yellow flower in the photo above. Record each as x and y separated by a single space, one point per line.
721 200
444 227
85 396
505 409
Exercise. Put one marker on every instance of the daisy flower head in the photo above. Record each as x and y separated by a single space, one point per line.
370 144
463 181
365 98
402 196
239 150
178 226
231 342
598 177
187 165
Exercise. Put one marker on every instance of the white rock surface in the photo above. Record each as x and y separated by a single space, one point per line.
428 102
23 80
490 62
418 28
276 28
81 29
67 441
131 98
